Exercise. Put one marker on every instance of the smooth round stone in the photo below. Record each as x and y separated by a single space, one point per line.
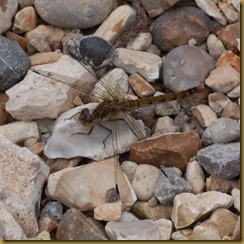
74 13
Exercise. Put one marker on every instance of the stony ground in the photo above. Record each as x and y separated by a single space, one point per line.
57 175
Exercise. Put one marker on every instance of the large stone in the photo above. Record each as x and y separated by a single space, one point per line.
229 58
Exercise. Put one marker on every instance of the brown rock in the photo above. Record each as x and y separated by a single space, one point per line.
44 58
171 150
37 148
20 39
229 58
237 232
215 183
47 224
3 113
217 101
231 111
229 34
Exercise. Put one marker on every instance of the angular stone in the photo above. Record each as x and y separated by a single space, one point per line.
237 232
215 183
188 207
186 67
165 125
222 160
237 200
74 225
182 235
25 3
169 185
217 101
29 173
215 46
174 149
129 168
165 227
141 42
45 58
143 63
47 224
236 4
144 211
121 19
53 210
223 78
230 12
231 111
235 92
42 236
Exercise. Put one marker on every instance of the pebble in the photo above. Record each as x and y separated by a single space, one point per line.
52 210
145 211
129 168
7 11
237 232
218 101
70 14
120 20
225 221
30 172
143 63
223 78
172 149
186 67
195 177
49 98
230 12
215 47
87 178
215 183
25 20
167 28
42 236
141 42
141 87
211 9
222 160
236 4
37 148
128 217
224 130
136 230
232 111
235 92
145 180
169 185
19 131
18 38
25 3
204 114
14 64
45 58
189 207
165 227
236 195
165 125
74 225
47 224
182 235
3 114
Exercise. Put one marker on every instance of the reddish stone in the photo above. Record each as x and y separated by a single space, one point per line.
20 39
170 150
231 111
215 183
229 58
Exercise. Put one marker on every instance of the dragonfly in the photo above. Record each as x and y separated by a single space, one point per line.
114 101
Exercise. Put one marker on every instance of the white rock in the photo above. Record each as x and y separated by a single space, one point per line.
236 195
38 97
235 92
188 207
129 168
145 180
141 42
230 12
165 227
211 9
118 21
164 125
92 181
143 63
236 4
19 131
136 230
128 217
22 177
195 177
215 46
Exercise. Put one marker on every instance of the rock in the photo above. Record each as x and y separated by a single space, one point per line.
18 38
230 12
224 130
236 195
53 210
211 9
7 11
74 225
229 35
14 63
45 58
237 231
44 38
121 19
173 149
187 64
91 14
169 185
204 114
188 207
207 230
235 92
155 8
144 181
215 47
230 58
48 97
128 217
144 211
92 182
223 78
143 63
47 224
25 3
165 125
9 228
140 86
165 227
182 235
25 20
3 114
167 29
141 42
44 235
136 230
37 148
232 111
225 221
29 173
195 177
217 101
19 131
215 183
129 168
236 4
222 160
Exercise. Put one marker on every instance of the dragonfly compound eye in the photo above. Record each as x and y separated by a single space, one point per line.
85 116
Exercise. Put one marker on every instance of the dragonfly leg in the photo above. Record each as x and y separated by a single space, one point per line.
71 116
107 135
89 132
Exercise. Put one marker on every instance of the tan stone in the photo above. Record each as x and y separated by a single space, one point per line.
44 58
217 101
231 111
229 58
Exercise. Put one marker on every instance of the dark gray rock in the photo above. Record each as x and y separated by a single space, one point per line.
169 185
14 63
53 210
222 160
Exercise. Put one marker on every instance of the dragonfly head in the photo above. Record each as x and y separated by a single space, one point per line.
86 117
